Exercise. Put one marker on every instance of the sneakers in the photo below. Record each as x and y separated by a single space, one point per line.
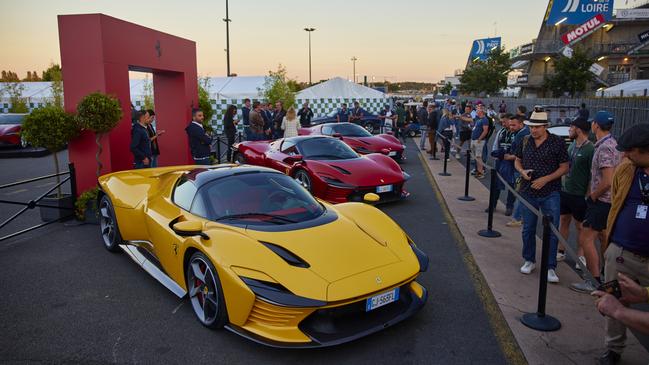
514 223
528 267
457 155
583 261
479 176
552 276
561 256
585 287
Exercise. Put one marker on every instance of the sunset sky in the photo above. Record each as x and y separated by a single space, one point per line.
417 40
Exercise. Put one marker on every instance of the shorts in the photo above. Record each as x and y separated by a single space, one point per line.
476 148
596 215
574 205
465 136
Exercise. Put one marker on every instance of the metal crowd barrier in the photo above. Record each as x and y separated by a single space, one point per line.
539 320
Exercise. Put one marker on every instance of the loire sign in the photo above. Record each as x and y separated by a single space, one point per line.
583 30
578 11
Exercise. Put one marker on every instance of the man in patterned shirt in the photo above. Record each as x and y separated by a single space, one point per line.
598 197
541 160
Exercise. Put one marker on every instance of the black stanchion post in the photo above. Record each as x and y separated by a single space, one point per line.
218 148
489 232
467 197
447 148
539 320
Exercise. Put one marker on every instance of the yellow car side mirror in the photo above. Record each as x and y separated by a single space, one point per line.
371 198
189 228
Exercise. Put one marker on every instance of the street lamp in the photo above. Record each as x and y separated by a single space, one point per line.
309 30
354 59
227 21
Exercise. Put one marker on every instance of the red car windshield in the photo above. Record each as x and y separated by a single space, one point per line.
349 130
324 148
259 198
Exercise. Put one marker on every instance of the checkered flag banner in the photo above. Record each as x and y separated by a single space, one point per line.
321 107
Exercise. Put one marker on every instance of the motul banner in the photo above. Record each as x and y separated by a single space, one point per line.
583 30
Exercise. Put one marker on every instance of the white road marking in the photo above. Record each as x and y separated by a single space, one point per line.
16 192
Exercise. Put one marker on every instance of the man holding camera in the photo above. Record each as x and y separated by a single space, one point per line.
628 221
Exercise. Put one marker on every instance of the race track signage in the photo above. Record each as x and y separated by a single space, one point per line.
632 14
522 79
482 47
578 11
644 36
583 30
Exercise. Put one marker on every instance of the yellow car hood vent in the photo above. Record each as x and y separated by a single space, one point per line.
333 251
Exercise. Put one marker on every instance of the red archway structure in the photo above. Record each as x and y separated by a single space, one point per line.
97 52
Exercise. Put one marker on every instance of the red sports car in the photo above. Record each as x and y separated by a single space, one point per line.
10 127
359 139
328 168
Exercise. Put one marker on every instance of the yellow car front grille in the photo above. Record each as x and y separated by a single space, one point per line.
266 314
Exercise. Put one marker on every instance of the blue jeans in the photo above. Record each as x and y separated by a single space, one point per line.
549 205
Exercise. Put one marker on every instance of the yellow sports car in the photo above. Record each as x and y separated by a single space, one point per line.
258 255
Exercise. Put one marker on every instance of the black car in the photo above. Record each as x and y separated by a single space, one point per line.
370 121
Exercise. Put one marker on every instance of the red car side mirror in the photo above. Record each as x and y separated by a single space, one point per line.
293 159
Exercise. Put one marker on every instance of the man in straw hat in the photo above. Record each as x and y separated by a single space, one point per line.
541 160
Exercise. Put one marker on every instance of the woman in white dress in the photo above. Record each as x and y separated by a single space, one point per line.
290 123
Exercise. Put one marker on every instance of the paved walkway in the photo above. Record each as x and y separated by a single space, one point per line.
581 337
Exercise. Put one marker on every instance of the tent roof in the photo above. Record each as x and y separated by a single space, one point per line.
39 89
239 87
339 88
631 88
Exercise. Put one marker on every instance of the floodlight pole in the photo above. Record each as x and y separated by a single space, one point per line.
227 21
354 59
309 30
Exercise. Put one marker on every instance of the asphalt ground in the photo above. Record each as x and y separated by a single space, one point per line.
68 300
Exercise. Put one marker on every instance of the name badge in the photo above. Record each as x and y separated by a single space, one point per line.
641 212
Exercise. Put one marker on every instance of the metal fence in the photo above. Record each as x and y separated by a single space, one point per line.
627 111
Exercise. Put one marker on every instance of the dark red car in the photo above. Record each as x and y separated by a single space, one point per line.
328 168
359 139
10 126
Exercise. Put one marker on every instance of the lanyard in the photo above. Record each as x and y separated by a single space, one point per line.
644 190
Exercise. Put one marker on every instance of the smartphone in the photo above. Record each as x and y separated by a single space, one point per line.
612 287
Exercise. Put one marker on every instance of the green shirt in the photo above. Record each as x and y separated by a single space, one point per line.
581 158
401 112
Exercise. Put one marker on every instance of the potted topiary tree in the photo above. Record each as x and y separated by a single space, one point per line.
99 113
52 128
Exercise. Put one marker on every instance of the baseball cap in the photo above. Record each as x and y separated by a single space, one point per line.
581 123
636 136
603 118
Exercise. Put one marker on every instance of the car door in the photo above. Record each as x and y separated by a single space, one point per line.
286 149
162 212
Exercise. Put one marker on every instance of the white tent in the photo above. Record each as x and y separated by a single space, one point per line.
327 97
629 88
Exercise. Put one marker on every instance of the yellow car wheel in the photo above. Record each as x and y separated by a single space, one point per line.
205 292
108 224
